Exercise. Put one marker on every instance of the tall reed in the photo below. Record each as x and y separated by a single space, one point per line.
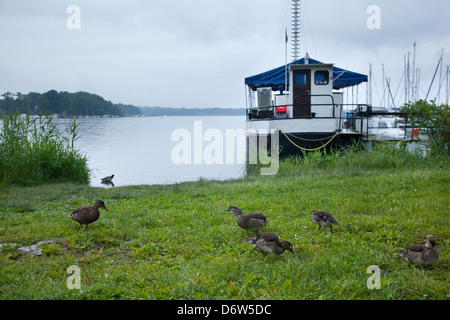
35 151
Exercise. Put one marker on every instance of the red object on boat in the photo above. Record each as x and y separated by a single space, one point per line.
282 109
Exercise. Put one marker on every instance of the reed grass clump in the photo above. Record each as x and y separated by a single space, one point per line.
35 151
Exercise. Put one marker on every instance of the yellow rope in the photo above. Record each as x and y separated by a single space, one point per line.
334 136
305 139
306 149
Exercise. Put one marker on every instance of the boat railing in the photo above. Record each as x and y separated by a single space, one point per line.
277 112
351 117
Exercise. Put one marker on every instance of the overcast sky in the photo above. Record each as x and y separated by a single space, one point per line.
196 53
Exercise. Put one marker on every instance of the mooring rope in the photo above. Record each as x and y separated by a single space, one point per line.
306 149
334 136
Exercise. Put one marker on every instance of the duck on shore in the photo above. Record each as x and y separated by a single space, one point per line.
323 219
420 253
252 221
266 242
88 214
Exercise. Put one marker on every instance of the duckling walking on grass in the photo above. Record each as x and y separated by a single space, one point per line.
252 221
323 219
420 253
266 242
88 214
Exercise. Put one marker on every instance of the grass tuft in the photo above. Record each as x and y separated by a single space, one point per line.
34 151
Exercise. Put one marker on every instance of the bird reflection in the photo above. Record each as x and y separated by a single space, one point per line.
108 180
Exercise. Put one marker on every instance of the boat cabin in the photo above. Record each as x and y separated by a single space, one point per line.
300 99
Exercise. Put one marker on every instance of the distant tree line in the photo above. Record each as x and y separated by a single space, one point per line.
62 103
87 104
163 111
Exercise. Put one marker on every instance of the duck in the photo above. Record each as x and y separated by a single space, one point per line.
420 253
266 242
252 221
88 214
323 219
107 179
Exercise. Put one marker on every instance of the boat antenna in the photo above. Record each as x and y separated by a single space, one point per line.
296 12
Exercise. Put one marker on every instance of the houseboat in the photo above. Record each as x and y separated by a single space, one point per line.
300 102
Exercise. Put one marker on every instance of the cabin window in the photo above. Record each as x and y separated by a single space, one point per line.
300 78
321 77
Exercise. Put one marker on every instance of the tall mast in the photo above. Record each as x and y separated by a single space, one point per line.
369 87
440 76
414 89
383 102
296 28
406 73
446 87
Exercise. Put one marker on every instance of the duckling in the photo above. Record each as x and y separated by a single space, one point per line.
323 219
107 179
88 214
265 242
252 221
420 253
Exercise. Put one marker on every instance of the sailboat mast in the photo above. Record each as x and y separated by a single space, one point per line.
440 77
414 91
406 72
383 102
369 87
446 90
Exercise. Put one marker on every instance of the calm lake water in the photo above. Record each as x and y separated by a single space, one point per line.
154 150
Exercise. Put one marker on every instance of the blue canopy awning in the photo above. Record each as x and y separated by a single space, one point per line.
276 77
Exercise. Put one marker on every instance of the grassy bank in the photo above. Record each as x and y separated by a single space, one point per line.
176 241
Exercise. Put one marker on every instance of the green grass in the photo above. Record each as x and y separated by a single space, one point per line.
177 242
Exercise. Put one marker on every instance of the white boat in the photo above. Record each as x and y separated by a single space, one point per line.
385 128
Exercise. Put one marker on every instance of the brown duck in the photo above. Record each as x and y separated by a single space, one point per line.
107 179
266 242
88 214
252 221
421 253
323 219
